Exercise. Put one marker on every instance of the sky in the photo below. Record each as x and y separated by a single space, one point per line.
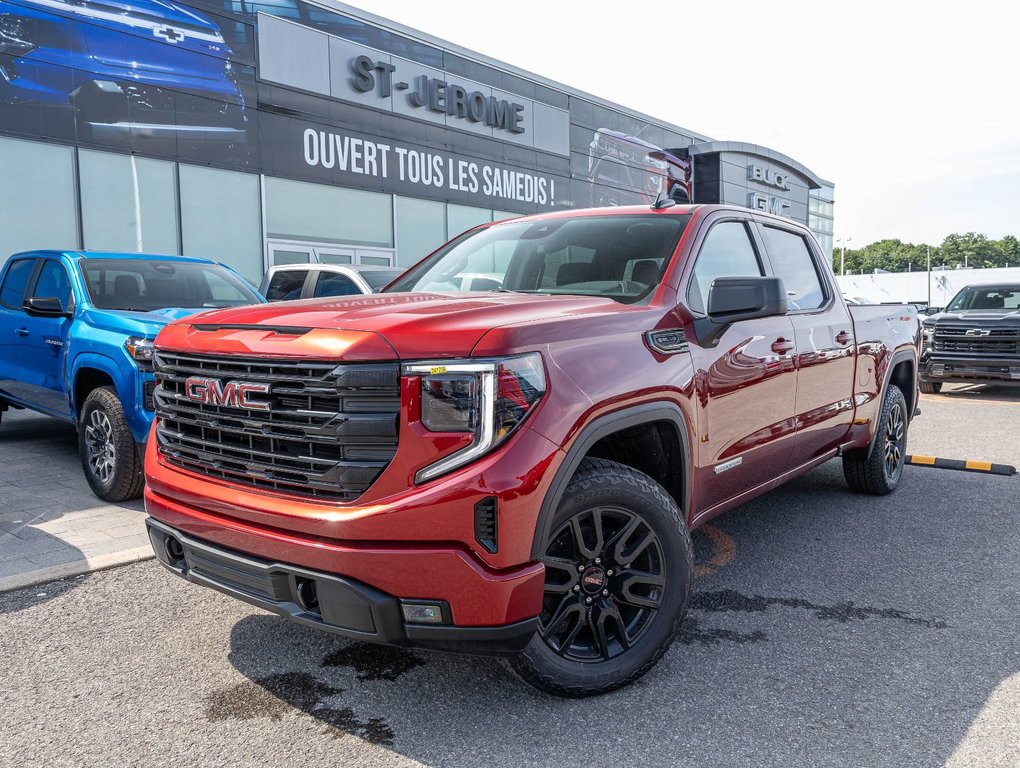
912 109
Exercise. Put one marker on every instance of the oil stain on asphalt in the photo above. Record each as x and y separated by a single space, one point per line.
724 600
373 662
691 633
275 695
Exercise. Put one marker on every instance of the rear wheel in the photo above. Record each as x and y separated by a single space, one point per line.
618 575
931 387
109 455
880 473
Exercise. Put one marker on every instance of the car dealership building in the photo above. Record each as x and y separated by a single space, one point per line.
261 133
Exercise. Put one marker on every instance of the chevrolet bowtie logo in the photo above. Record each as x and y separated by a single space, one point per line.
169 34
978 332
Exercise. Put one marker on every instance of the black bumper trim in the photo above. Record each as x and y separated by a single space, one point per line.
345 607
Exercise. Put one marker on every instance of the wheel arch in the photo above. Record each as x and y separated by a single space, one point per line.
902 372
661 421
89 373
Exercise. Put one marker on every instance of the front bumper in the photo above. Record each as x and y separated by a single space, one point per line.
324 601
963 370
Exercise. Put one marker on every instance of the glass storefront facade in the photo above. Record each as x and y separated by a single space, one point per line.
344 140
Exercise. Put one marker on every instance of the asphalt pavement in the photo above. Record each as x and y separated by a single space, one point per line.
826 629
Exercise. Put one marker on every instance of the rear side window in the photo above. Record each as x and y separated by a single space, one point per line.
726 252
330 284
286 285
53 283
792 261
12 292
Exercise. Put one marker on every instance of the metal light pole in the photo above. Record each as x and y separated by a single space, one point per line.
842 241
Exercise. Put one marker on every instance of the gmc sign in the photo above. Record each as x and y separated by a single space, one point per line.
233 394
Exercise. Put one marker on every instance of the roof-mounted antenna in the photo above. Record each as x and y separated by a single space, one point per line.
663 201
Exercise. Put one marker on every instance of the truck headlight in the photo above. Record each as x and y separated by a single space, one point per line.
488 398
141 349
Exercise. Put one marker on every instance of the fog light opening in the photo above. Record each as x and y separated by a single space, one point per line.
423 613
307 594
174 550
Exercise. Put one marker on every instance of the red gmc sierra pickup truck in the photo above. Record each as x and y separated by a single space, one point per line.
518 471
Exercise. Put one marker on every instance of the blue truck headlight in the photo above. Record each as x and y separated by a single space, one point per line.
486 398
141 349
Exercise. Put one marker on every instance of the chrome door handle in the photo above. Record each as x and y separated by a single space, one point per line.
781 346
843 338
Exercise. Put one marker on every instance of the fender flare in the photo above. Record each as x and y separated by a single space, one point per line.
904 355
100 363
594 431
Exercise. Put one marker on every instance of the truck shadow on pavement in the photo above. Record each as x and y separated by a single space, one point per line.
844 630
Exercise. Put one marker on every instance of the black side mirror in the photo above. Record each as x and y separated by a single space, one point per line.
932 310
732 299
45 306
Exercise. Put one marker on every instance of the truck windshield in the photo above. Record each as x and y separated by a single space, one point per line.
618 256
986 297
145 285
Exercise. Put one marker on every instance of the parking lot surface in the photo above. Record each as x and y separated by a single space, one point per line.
826 629
51 524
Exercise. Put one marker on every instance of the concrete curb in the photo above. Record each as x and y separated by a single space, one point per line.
76 568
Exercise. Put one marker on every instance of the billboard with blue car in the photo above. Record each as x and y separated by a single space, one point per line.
121 73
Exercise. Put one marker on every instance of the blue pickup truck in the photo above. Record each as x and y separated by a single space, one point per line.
76 333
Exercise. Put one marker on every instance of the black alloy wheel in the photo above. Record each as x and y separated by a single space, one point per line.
879 472
895 449
618 571
604 581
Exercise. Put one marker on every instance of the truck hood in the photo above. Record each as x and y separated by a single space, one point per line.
135 323
416 325
976 317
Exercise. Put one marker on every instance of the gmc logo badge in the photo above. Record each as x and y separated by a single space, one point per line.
234 394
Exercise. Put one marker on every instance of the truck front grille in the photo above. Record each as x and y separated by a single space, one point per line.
999 342
323 429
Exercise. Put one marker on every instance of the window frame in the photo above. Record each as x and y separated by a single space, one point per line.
29 283
34 282
816 261
764 265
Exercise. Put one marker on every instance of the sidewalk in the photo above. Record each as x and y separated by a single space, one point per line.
51 524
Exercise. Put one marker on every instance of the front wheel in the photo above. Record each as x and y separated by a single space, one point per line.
618 566
109 454
880 473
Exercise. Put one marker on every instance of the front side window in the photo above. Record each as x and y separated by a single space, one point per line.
579 256
726 252
12 292
145 285
334 285
53 283
286 285
986 297
792 260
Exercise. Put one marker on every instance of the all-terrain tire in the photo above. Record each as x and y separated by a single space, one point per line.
879 473
931 387
110 457
624 500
